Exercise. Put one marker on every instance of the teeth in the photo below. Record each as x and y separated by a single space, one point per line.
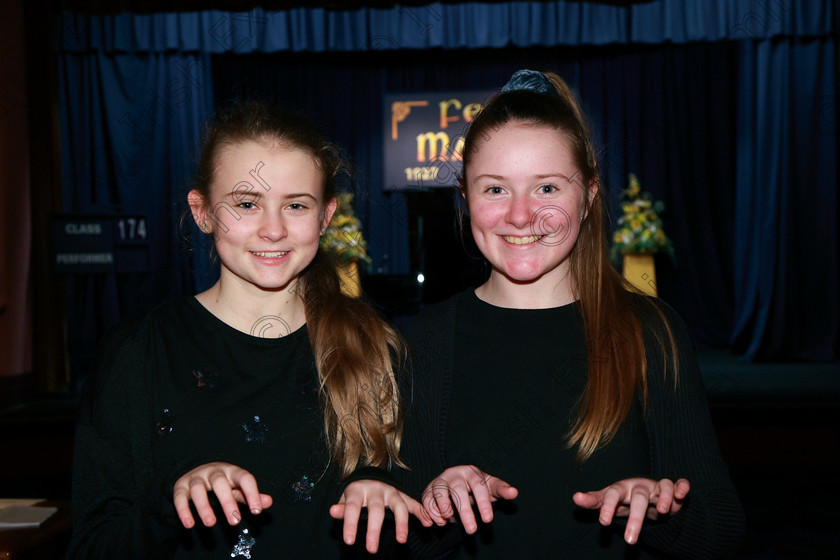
271 254
521 240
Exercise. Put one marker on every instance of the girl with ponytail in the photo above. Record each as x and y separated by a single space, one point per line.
272 390
555 375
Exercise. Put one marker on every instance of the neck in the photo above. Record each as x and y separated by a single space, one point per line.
263 313
543 293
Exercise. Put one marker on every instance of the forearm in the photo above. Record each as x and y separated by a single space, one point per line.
711 525
116 514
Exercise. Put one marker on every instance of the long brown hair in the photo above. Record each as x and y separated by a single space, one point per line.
356 351
617 362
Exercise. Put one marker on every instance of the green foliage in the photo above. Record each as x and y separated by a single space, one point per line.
343 237
640 227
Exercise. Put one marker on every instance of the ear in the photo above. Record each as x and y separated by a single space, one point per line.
199 211
329 211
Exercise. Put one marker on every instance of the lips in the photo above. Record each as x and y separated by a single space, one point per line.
269 254
521 240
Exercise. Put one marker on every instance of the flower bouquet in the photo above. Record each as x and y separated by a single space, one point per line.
343 237
640 227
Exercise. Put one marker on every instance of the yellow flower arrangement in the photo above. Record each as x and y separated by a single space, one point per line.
640 227
343 237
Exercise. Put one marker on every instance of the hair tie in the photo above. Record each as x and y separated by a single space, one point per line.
531 80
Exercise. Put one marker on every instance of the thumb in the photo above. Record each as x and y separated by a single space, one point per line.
508 492
500 489
418 511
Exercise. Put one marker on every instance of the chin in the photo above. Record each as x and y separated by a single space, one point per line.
523 276
271 284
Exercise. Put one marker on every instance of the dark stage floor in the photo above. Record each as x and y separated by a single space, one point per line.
779 431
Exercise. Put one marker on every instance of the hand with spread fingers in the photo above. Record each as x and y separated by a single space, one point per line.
635 499
232 486
458 489
376 496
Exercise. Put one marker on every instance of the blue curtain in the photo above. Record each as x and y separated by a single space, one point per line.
786 232
129 124
725 109
471 25
668 115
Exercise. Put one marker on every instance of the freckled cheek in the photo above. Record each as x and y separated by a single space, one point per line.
309 233
485 220
232 234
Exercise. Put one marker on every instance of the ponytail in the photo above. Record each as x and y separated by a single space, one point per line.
355 352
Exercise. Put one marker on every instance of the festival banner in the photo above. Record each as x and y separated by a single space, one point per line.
424 136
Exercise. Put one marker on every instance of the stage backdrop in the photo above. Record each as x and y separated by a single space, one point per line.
726 110
424 136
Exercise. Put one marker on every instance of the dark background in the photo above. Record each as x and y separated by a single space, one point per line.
729 117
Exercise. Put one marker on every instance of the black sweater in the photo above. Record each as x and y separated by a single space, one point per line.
179 388
497 388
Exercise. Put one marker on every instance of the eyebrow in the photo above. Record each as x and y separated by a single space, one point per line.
541 176
300 195
242 193
550 175
254 193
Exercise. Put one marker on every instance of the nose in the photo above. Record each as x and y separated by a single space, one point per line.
272 226
519 212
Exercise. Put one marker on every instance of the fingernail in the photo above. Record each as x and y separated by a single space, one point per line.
631 538
256 511
208 520
235 516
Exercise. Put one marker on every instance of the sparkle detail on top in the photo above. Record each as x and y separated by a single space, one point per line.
243 546
303 489
166 422
255 430
205 378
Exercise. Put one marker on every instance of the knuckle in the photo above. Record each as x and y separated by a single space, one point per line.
195 484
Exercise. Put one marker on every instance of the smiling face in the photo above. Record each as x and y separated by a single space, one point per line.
526 202
266 211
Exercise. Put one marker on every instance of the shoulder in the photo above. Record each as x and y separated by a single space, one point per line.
669 348
439 311
437 318
131 329
430 336
658 319
119 377
163 314
124 348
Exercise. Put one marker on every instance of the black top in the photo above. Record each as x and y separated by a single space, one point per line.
497 388
179 388
510 418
